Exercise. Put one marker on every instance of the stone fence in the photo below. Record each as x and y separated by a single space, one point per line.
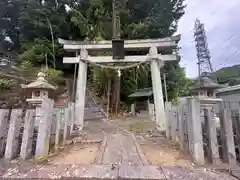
208 132
34 133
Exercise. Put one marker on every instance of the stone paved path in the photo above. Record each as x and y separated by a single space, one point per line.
121 149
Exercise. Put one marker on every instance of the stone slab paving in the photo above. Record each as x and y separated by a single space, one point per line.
120 161
121 149
107 172
181 173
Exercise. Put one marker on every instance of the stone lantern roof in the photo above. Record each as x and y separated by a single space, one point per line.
39 83
207 84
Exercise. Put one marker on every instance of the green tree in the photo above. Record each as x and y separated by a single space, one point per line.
139 19
30 31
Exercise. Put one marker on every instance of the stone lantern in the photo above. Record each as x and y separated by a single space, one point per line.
40 89
204 90
205 87
41 98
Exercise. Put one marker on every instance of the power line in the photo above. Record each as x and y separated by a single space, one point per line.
227 49
234 53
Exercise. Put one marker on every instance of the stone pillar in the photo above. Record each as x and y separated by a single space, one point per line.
44 114
3 128
71 117
81 89
229 154
26 147
173 119
13 134
151 112
133 109
195 131
180 127
58 128
168 107
66 122
157 90
212 136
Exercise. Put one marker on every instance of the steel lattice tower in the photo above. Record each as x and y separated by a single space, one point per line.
203 54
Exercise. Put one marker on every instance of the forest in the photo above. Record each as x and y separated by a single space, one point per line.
29 32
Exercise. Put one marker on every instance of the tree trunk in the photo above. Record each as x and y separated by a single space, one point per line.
115 95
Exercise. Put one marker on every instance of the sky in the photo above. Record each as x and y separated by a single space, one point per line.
222 23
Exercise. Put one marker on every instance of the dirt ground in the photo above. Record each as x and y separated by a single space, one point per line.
83 154
154 146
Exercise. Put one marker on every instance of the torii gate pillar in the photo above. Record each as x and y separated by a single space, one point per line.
81 88
156 65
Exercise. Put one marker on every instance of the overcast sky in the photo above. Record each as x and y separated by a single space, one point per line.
222 22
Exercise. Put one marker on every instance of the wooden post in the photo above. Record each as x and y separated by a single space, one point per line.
212 136
13 134
227 138
157 90
81 88
195 131
26 147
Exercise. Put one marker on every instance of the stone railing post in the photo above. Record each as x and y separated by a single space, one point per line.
212 136
168 107
58 129
3 128
195 131
44 116
26 147
180 127
66 123
13 134
72 118
227 136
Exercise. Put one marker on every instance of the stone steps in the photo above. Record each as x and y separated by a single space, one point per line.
93 114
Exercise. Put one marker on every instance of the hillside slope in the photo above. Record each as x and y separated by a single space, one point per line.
229 75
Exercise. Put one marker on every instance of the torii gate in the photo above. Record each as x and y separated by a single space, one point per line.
157 61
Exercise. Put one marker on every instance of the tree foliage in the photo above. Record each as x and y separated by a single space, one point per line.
29 24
